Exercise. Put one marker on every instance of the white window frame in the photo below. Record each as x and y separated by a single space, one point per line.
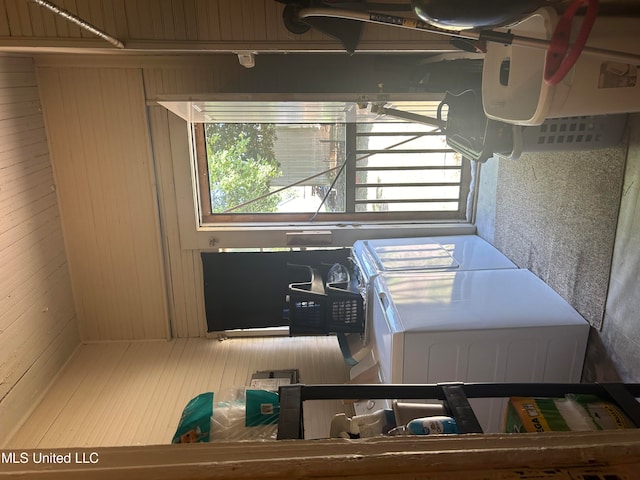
195 236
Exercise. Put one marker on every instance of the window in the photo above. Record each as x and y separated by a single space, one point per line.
305 165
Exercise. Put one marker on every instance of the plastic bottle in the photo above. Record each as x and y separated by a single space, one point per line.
433 425
372 424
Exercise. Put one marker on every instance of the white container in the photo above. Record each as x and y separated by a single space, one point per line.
595 85
568 133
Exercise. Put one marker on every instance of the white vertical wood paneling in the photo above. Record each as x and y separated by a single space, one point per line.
227 25
120 17
5 31
171 144
38 328
194 77
100 148
132 393
186 300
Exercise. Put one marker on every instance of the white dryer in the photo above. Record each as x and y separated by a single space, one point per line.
474 326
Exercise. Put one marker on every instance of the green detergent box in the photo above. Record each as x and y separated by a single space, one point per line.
262 408
570 413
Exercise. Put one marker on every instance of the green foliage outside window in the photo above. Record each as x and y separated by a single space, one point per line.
241 162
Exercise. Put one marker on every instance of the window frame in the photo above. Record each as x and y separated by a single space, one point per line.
209 219
194 235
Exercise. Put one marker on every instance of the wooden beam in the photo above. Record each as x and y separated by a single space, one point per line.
516 456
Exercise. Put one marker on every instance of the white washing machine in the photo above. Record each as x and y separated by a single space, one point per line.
474 326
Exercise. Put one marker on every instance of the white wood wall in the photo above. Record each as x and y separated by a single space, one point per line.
183 266
98 130
133 280
214 25
38 327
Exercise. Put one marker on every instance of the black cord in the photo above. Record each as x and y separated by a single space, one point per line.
333 183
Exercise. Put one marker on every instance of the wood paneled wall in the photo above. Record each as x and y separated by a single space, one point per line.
183 266
214 25
38 327
98 130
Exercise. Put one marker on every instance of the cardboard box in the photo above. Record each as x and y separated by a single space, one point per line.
571 413
272 379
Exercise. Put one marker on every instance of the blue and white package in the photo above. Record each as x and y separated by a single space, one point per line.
433 425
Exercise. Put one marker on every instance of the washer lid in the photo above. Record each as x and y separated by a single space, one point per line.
472 300
428 254
417 256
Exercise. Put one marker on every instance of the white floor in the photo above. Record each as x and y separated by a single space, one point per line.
132 393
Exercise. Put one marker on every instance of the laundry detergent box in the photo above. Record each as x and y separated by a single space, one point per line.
570 413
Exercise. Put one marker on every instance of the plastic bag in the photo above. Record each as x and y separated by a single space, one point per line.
233 420
263 408
194 425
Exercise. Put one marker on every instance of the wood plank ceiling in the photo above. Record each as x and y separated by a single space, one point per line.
186 25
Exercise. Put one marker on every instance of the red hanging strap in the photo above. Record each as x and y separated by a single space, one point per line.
560 58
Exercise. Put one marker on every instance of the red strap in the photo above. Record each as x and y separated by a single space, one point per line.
558 62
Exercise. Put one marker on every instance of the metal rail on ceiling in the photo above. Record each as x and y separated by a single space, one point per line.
67 15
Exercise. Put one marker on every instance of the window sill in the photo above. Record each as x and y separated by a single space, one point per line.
312 235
